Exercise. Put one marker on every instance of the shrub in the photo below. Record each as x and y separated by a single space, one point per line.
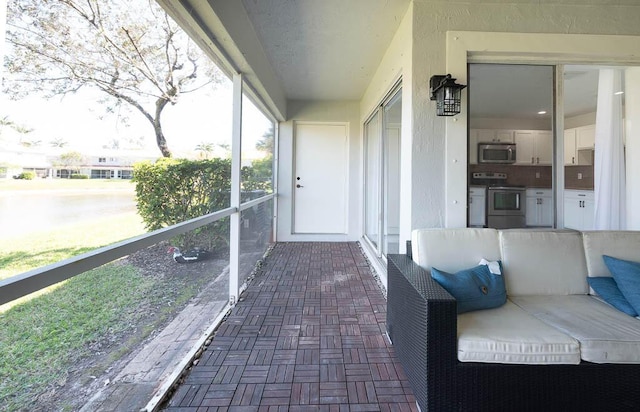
258 176
78 176
26 176
171 191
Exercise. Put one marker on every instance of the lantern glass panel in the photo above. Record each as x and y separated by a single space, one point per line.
448 101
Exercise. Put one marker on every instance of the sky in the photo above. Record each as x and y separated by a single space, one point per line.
203 116
83 122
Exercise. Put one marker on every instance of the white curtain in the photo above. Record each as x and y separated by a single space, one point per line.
609 173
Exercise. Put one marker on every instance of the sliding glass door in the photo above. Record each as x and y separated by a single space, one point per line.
382 175
372 182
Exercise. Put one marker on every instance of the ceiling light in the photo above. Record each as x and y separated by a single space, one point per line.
542 112
618 93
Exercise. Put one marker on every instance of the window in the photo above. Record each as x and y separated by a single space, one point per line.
382 175
510 144
102 174
258 140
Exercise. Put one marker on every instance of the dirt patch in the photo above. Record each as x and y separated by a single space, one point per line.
174 286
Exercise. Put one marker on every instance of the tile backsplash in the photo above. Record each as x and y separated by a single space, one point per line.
571 180
519 175
539 176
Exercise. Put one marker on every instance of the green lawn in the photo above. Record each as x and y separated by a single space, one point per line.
42 338
71 333
43 334
27 252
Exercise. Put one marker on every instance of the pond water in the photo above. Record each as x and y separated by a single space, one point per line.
28 212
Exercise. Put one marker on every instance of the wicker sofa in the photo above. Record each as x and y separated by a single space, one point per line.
596 368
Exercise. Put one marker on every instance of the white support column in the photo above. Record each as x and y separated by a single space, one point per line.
236 154
632 134
558 164
276 178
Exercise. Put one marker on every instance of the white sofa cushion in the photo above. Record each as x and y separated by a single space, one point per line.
452 250
543 262
620 244
508 334
606 335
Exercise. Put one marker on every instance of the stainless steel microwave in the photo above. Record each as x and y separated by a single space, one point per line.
496 153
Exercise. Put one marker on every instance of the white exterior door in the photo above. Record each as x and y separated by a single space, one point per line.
320 178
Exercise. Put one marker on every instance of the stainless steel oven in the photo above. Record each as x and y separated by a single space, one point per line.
496 153
506 207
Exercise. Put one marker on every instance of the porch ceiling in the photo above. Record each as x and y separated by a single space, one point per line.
325 50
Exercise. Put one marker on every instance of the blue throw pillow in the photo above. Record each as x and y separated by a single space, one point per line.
607 288
474 289
627 276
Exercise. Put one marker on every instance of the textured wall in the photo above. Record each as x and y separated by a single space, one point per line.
431 21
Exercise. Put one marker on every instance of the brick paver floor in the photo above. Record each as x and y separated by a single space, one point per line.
307 335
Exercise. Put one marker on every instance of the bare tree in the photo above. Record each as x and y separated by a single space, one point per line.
130 50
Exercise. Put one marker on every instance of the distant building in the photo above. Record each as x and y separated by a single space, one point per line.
107 164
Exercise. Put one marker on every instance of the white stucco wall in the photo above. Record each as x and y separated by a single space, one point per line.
432 167
329 112
632 114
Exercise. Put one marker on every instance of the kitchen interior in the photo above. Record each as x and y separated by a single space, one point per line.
511 179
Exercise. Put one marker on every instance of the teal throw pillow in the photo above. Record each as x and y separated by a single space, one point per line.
627 276
474 289
607 288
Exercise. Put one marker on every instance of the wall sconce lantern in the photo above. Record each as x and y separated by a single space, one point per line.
447 94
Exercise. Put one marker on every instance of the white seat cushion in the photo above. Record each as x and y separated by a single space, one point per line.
508 334
606 335
543 262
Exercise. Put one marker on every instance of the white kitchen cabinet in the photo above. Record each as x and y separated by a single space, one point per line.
570 152
494 135
543 149
504 136
586 137
578 209
477 206
524 147
579 143
533 147
539 212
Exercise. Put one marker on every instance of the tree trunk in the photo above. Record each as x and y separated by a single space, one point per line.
154 120
160 139
157 127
